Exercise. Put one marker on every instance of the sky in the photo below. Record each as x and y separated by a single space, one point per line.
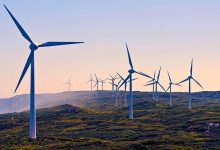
159 33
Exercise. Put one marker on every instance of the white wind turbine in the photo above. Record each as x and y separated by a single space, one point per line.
170 88
189 78
91 81
69 84
156 82
152 83
125 88
102 83
30 63
97 86
116 93
112 81
131 71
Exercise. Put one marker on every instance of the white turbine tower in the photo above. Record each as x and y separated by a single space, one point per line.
91 81
97 86
189 78
125 88
152 83
30 62
131 71
69 84
112 81
170 88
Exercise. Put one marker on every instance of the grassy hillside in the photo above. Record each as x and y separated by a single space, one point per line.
99 126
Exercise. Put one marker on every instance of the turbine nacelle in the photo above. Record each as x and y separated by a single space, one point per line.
33 46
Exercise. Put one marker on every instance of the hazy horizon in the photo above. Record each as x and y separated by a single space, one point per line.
159 33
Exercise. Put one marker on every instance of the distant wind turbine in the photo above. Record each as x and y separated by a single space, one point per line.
156 82
189 78
97 86
170 88
131 71
69 84
30 62
91 81
125 88
102 83
152 83
112 81
116 94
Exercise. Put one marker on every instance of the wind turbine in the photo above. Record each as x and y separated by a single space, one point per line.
30 62
131 71
91 80
102 83
69 84
125 88
189 78
97 86
152 83
112 81
116 94
156 82
170 88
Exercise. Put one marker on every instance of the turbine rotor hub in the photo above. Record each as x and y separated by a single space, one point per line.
33 46
131 71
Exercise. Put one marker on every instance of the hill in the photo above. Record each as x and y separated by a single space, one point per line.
99 126
87 99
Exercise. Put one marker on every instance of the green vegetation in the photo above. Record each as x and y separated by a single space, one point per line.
99 126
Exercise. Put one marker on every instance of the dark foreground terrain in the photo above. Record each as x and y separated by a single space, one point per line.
98 125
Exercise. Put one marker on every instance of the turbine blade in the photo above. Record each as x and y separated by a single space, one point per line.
95 85
183 81
124 81
158 76
150 81
134 79
198 83
177 84
111 76
129 57
96 78
24 34
168 88
149 84
162 87
169 77
120 76
30 57
47 44
191 69
143 74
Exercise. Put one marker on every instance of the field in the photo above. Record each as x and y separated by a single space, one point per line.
98 125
